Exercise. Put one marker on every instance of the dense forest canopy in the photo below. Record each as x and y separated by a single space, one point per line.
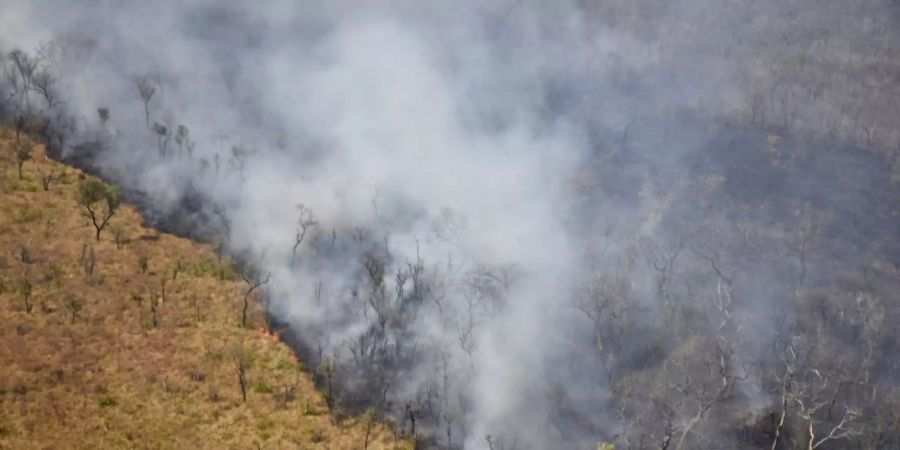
520 224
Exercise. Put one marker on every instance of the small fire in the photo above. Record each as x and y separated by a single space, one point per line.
274 335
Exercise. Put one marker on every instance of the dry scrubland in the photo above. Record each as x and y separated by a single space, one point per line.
115 353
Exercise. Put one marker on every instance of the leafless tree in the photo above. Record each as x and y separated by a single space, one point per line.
22 149
800 239
814 392
241 361
706 379
712 244
254 278
661 257
25 288
48 175
154 309
225 222
607 302
305 221
20 126
325 371
74 307
119 236
45 84
369 422
468 322
24 66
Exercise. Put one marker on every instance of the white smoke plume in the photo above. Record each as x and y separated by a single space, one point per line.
442 157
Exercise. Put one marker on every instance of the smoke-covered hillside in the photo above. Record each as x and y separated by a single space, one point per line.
520 224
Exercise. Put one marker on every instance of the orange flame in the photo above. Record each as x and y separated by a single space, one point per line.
274 335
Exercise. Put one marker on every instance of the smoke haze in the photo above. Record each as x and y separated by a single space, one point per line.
493 192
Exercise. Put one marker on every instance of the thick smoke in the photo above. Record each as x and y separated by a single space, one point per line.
471 178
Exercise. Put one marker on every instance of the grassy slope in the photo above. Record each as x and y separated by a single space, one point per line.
109 378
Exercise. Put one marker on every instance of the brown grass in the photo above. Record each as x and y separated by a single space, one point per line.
106 377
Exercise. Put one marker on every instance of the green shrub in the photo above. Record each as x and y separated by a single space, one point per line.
261 388
286 365
55 276
176 267
204 268
30 215
264 424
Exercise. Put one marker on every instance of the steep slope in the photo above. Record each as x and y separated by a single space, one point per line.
136 344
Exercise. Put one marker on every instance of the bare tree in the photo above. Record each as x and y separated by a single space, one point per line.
22 150
254 278
154 309
223 239
607 302
661 257
20 126
369 421
241 361
74 307
800 239
700 374
24 71
305 221
814 392
45 84
706 379
47 176
25 290
326 371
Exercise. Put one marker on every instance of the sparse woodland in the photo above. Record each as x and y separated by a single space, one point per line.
135 338
737 285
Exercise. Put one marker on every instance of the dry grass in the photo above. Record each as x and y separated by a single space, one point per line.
87 368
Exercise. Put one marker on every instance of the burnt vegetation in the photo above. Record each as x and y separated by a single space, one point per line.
746 299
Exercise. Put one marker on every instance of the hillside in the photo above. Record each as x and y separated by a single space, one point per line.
136 345
639 224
